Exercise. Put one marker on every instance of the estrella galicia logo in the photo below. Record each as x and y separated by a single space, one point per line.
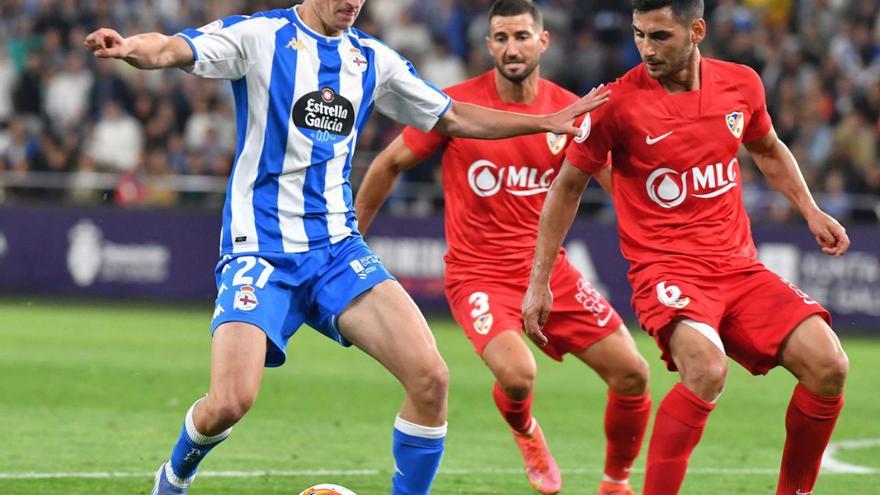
324 116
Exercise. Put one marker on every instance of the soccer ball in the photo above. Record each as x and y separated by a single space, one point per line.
327 489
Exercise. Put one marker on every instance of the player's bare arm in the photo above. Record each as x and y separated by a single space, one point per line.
473 121
381 176
557 215
144 51
780 167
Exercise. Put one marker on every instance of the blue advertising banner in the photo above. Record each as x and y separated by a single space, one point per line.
170 255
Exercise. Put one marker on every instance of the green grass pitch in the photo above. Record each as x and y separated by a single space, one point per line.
99 391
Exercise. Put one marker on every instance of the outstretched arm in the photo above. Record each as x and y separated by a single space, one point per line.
144 51
380 179
472 121
559 211
780 167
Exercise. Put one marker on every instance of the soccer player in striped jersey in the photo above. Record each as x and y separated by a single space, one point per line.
305 83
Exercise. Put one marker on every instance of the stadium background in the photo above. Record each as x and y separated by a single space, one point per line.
111 182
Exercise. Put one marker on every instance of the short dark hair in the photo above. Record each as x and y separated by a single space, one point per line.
510 8
683 10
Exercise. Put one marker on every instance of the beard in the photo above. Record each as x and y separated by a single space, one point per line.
517 77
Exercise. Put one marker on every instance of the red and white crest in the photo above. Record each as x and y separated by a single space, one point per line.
735 123
556 142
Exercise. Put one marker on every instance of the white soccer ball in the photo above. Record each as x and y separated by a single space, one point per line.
327 489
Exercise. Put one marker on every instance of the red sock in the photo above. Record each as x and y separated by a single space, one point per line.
808 423
678 427
626 418
517 413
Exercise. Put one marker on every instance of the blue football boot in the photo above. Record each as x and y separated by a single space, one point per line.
169 484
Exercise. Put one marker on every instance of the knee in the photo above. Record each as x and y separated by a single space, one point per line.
517 380
227 409
830 374
631 381
429 385
706 377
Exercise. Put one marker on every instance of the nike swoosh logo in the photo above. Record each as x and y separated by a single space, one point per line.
652 141
604 321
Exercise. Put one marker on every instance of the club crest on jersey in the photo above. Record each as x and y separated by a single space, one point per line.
358 60
483 324
556 142
735 123
245 298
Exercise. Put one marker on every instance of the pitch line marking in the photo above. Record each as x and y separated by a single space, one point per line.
830 465
377 472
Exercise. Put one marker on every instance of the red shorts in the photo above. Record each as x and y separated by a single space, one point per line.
580 317
751 309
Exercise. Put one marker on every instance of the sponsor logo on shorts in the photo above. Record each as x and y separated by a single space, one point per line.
593 302
801 294
245 299
671 296
365 266
483 324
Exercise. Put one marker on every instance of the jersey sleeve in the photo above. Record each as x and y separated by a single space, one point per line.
404 96
760 122
423 144
225 48
589 151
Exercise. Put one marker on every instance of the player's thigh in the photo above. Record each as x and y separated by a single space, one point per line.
511 361
238 353
764 312
485 310
616 359
580 317
813 354
385 323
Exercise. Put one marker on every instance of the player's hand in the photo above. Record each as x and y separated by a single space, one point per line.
106 43
562 122
830 235
535 311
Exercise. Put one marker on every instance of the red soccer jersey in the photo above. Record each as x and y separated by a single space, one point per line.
675 174
495 189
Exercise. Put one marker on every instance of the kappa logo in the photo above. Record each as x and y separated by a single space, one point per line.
556 142
296 45
245 298
669 188
735 123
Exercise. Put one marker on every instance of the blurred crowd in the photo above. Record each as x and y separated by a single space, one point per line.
61 110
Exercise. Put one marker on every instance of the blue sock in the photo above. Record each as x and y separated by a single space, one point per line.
417 453
192 447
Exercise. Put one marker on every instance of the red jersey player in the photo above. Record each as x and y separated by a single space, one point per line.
494 194
673 126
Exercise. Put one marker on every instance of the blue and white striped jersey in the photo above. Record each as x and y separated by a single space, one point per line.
301 100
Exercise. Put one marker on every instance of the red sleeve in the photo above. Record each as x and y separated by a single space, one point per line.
759 120
589 151
423 144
